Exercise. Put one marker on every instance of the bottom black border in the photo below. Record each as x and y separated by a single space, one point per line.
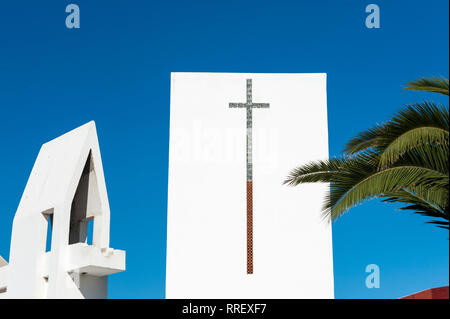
226 308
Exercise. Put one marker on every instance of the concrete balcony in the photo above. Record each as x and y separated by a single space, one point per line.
91 260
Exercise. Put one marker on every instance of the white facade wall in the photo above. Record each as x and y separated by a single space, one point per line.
206 231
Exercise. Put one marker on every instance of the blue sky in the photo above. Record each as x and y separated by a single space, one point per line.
116 69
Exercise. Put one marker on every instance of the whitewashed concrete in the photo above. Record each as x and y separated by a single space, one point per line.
66 185
206 232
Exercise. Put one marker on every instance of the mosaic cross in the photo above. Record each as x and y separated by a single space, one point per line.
249 106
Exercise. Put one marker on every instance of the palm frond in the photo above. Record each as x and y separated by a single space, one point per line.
428 156
425 199
333 170
440 224
415 116
379 184
403 160
431 84
365 140
414 139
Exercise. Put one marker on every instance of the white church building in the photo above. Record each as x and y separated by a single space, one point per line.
233 229
64 198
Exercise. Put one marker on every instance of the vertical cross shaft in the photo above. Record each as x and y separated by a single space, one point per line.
249 180
249 106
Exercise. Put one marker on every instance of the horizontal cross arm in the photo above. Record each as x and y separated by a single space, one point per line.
260 105
232 105
253 105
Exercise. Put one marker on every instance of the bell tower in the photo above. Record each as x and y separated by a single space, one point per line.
65 199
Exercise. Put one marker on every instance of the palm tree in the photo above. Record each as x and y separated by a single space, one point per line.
403 160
